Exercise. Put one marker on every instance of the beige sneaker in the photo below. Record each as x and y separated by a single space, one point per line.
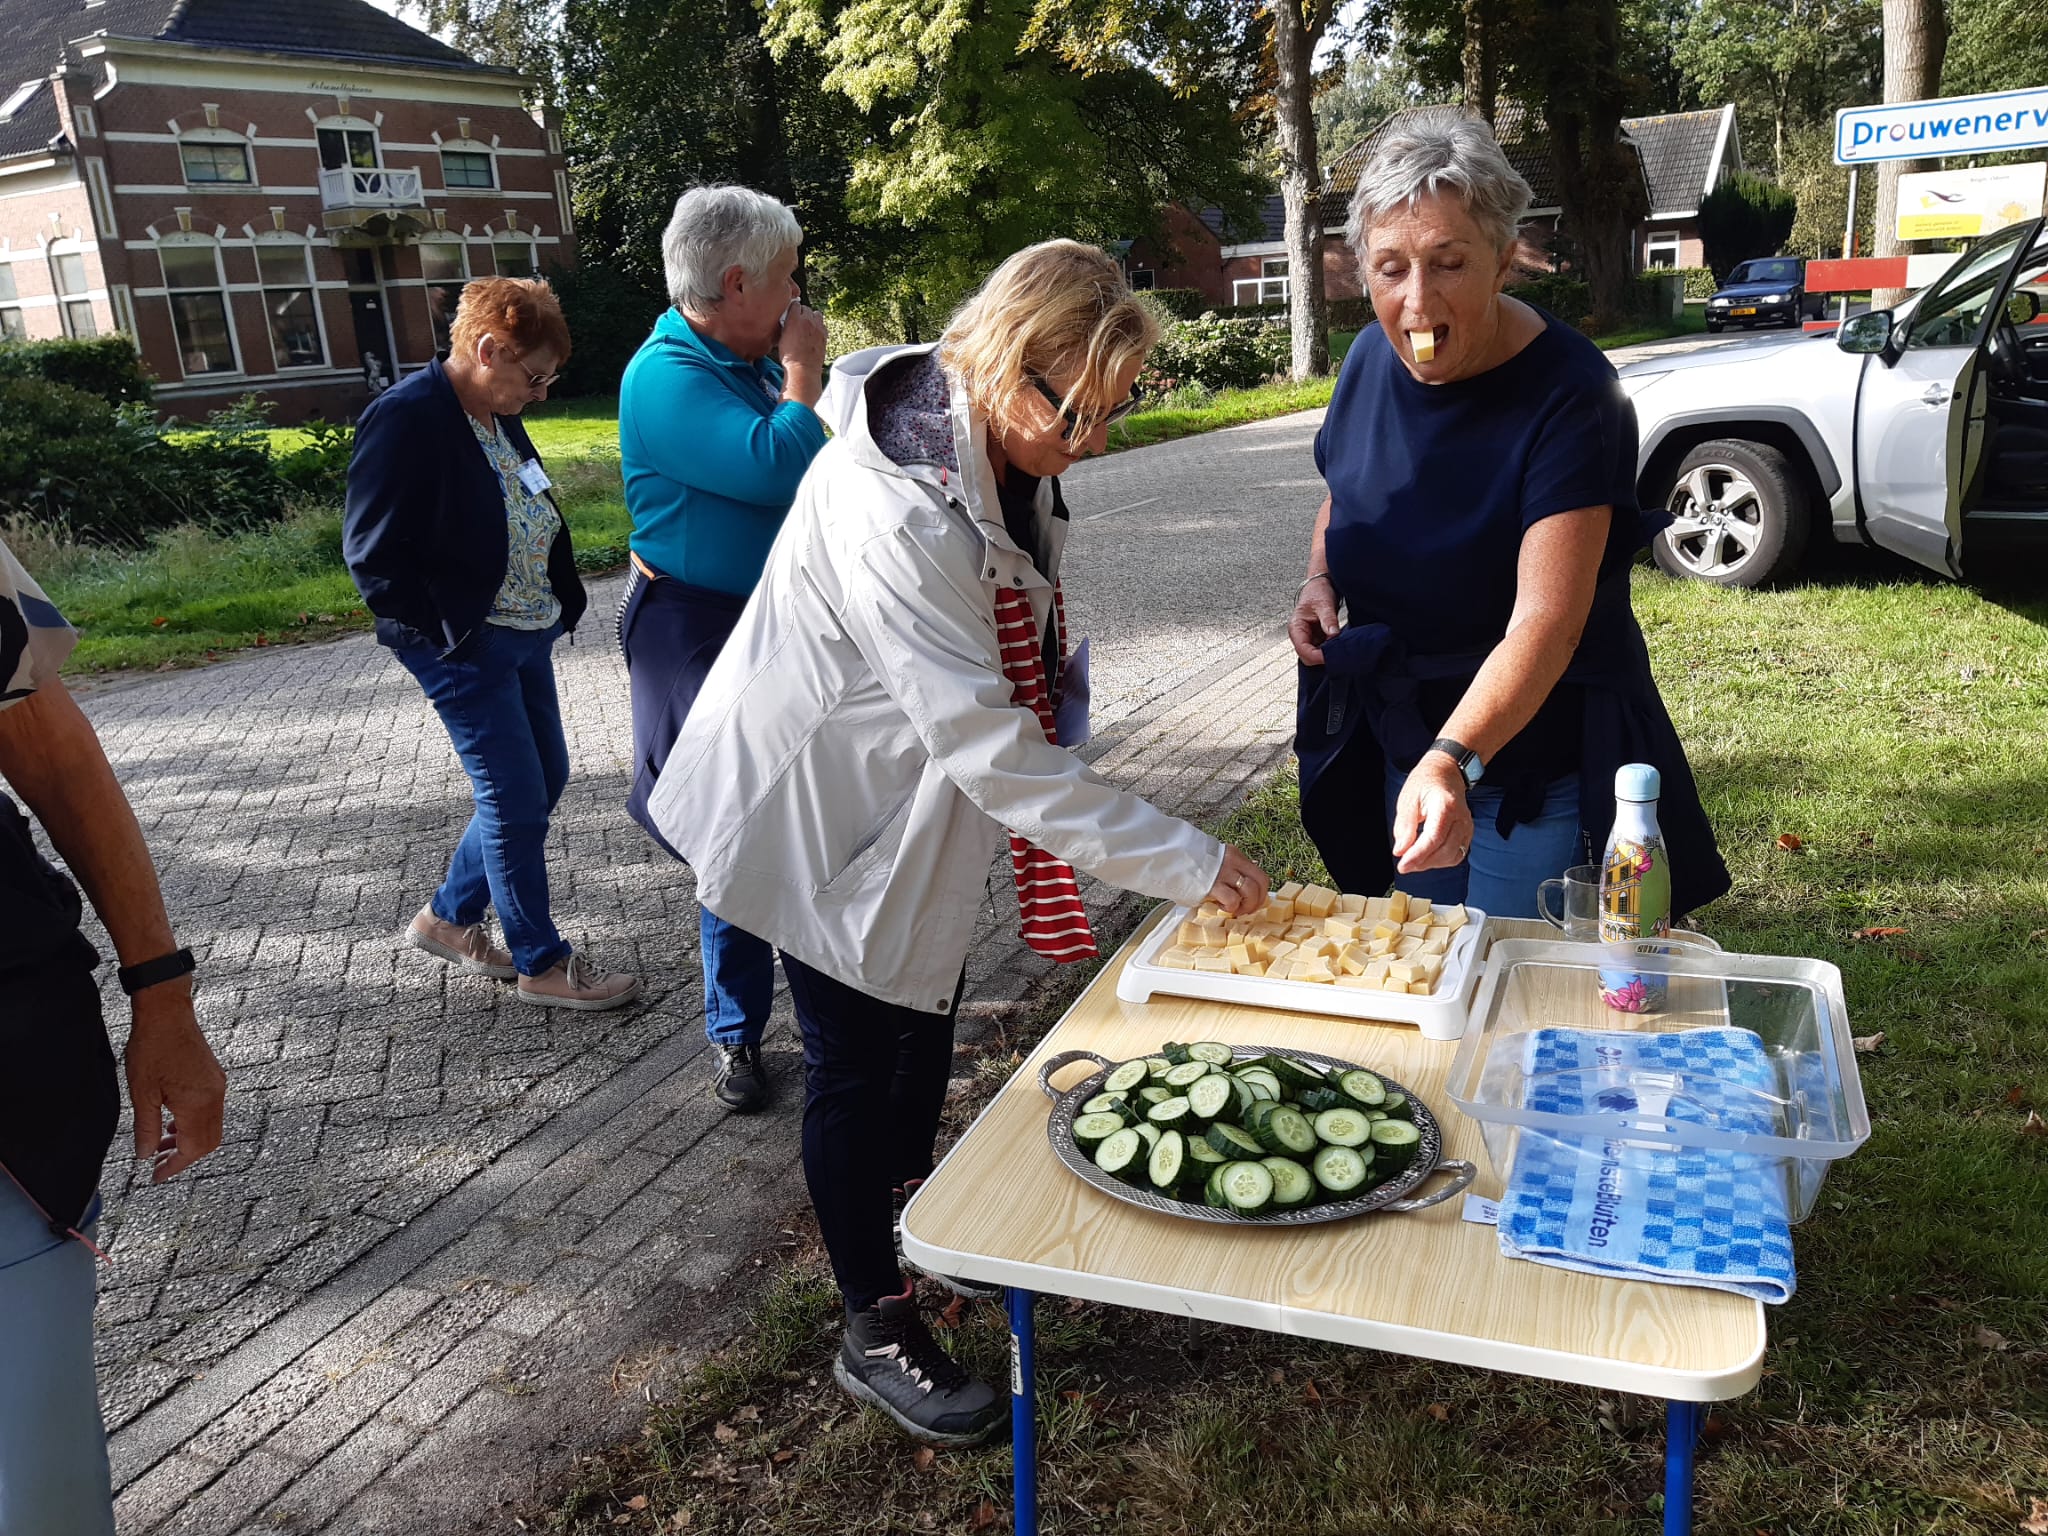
469 949
574 984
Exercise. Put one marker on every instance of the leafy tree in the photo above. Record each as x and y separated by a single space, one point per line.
518 34
1787 62
1371 89
1821 189
1744 217
1995 45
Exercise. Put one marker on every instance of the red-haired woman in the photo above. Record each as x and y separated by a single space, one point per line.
459 549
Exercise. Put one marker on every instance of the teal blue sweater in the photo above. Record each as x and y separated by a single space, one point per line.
712 456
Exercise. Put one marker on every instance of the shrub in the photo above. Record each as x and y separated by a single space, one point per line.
103 366
1179 303
1745 216
1350 314
1699 282
1213 352
1568 298
114 474
609 315
318 469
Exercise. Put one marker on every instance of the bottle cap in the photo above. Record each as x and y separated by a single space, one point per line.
1638 782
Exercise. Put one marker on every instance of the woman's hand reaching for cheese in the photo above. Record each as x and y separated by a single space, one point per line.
1241 885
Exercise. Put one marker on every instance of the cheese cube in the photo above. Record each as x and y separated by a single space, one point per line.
1358 981
1450 917
1210 930
1238 956
1405 972
1391 985
1375 908
1397 906
1209 952
1279 950
1316 901
1432 967
1437 947
1418 906
1419 988
1380 947
1301 930
1423 345
1176 959
1340 928
1438 931
1376 972
1254 969
1209 910
1214 963
1317 970
1188 934
1351 906
1416 929
1404 948
1386 928
1353 961
1277 911
1288 891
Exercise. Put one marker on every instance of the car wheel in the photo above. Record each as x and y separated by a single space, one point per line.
1740 516
1713 327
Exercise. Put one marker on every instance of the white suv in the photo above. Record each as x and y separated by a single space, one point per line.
1920 430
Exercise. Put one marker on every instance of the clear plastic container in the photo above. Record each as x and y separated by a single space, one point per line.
1534 1061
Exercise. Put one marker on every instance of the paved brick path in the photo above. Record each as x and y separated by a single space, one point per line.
450 1236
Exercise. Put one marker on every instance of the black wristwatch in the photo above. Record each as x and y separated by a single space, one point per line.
150 973
1467 760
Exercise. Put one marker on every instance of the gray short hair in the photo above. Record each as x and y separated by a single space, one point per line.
715 229
1440 150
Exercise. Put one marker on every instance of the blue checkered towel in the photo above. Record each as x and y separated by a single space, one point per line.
1640 1212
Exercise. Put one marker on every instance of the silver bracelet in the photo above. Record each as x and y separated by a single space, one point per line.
1319 576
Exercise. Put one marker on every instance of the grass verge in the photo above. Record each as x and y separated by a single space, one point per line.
1693 322
1227 408
1869 750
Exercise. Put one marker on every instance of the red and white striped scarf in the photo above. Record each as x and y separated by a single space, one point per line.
1055 924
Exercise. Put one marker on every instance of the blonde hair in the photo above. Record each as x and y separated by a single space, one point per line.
522 312
1052 307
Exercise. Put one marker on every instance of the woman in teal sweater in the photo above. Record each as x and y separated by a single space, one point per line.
714 437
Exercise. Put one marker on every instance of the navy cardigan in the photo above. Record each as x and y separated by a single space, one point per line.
425 535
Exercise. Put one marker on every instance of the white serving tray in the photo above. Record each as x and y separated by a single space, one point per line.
1440 1016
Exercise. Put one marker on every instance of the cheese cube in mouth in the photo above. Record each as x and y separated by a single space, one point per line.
1423 344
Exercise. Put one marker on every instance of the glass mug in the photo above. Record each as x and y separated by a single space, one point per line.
1576 894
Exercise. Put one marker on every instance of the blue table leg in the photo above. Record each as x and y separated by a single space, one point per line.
1023 1416
1682 1423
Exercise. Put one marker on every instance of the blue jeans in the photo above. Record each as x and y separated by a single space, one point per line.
739 980
499 705
1500 874
53 1445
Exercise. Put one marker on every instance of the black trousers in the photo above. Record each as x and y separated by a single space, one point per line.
874 1085
59 1093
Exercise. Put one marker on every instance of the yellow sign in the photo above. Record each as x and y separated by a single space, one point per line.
1960 205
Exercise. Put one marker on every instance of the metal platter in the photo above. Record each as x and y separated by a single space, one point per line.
1390 1196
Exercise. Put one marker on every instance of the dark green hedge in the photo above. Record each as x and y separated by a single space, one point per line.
1180 303
104 366
609 316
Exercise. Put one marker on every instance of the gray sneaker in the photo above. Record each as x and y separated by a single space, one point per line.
574 983
890 1360
469 949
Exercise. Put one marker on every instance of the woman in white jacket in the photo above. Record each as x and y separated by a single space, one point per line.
884 709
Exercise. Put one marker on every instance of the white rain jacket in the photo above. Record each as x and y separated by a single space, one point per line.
843 778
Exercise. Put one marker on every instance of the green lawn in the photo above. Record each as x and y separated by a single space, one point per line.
1691 322
1870 749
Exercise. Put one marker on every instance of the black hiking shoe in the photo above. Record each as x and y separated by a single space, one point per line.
742 1081
888 1358
973 1290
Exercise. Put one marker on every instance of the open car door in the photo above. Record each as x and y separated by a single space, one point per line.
1914 416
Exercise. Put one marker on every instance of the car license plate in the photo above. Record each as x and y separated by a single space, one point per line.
1750 311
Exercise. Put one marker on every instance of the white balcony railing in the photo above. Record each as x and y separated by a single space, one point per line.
353 187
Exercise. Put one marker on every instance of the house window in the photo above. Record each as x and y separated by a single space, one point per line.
1143 280
288 304
211 164
515 258
12 326
1269 287
466 168
1660 248
442 266
199 310
352 147
68 269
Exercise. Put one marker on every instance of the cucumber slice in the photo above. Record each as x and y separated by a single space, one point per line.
1393 1146
1343 1127
1204 1156
1376 1114
1247 1187
1262 1089
1154 1093
1361 1088
1212 1188
1210 1097
1397 1107
1294 1076
1168 1114
1285 1130
1168 1162
1261 1113
1292 1183
1241 1095
1340 1170
1091 1131
1232 1142
1127 1078
1121 1153
1148 1133
1211 1051
1174 1053
1316 1100
1259 1077
1157 1067
1186 1075
1102 1102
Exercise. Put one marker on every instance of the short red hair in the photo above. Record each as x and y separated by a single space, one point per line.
522 312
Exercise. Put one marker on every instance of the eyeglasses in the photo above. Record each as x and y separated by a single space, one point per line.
533 380
1069 421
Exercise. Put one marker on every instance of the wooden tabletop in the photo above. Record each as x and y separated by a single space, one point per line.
1002 1209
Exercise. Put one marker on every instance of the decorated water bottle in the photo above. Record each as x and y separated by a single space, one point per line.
1635 888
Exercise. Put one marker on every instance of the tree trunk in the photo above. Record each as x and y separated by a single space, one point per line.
1915 41
1600 183
1294 45
1482 58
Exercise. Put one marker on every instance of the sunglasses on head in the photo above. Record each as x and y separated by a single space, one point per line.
1069 421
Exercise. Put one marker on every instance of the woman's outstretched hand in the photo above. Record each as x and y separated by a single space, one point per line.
1241 885
1432 821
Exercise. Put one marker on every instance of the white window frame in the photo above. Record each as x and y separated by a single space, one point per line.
11 312
347 125
310 287
68 298
469 147
460 246
197 242
1661 242
218 136
510 237
1269 287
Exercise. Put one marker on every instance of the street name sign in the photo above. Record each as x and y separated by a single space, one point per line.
1954 125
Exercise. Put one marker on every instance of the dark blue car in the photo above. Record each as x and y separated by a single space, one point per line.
1767 291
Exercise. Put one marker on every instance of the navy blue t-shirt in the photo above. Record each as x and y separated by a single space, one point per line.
1433 485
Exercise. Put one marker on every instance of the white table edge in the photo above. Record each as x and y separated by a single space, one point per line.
1339 1328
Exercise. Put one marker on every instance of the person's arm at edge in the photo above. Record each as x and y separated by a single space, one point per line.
52 758
1315 611
692 429
376 540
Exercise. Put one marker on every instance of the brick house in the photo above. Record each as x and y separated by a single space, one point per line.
1684 155
278 196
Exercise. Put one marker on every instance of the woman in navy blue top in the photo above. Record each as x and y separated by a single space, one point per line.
1460 726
